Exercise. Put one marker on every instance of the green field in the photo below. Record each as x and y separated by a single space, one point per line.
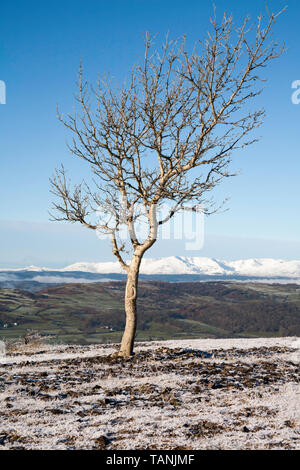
93 313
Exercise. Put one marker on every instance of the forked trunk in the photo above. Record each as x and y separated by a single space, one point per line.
127 342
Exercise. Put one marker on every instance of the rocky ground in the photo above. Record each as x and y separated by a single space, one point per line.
190 394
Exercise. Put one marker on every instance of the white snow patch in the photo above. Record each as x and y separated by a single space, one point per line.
131 404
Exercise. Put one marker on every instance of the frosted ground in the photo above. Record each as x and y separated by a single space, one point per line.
187 394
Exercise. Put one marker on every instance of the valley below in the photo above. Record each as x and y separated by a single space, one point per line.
89 313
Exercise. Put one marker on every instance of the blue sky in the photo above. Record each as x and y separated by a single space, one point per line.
41 44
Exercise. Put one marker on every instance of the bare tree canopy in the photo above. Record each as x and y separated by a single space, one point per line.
166 135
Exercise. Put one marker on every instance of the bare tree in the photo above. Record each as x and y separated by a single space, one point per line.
166 135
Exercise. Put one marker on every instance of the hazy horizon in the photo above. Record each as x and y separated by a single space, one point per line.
25 244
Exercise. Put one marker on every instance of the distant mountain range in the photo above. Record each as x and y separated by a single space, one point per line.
264 267
173 268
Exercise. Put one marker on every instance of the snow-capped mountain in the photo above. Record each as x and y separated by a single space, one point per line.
173 269
31 268
263 267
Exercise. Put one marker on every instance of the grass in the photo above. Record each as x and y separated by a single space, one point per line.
94 313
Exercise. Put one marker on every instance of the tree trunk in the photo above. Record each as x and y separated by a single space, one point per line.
127 342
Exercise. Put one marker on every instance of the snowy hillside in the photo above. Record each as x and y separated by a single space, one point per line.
190 394
263 267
